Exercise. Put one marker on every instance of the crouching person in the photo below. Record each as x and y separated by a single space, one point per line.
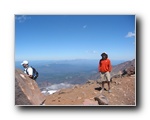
29 70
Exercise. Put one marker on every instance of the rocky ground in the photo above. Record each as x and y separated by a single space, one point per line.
123 94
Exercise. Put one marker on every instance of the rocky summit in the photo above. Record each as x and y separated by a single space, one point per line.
90 94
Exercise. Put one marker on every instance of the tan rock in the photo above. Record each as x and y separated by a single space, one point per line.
27 91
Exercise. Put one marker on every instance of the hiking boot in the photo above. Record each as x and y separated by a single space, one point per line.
109 91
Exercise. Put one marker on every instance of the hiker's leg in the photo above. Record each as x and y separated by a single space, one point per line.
102 89
108 80
103 85
108 85
109 90
102 78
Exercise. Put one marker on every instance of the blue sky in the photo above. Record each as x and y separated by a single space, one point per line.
65 37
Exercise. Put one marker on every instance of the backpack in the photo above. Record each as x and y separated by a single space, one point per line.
35 73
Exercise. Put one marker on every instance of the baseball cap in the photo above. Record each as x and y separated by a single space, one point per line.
25 62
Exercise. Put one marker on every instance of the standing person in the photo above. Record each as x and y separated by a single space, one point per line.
105 69
30 71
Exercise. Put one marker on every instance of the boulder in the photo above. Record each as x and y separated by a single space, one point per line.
102 100
27 91
131 70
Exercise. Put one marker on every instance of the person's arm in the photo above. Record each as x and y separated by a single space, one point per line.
110 67
99 66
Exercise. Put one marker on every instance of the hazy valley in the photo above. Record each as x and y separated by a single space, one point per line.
65 73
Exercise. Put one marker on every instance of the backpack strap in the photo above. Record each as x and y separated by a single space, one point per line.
26 71
35 73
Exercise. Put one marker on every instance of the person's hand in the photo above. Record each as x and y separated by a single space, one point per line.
30 76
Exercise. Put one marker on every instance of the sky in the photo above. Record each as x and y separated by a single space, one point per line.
67 37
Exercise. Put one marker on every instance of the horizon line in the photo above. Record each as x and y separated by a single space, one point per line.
74 59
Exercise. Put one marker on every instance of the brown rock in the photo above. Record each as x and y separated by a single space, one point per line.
27 91
131 70
102 100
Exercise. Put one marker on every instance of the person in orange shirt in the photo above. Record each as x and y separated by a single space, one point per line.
105 69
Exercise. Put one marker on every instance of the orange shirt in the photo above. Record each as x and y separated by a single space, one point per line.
104 65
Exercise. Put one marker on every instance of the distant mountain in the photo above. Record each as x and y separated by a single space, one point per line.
122 66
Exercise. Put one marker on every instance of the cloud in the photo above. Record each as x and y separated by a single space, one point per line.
84 26
92 51
22 18
130 34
